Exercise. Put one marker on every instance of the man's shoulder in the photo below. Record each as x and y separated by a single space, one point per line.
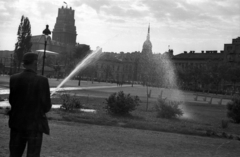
15 75
40 77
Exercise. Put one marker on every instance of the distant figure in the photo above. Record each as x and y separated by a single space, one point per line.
29 99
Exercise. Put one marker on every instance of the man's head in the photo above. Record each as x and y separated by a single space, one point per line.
30 60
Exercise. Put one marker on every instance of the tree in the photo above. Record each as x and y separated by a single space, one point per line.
80 52
90 72
23 44
146 66
146 71
234 75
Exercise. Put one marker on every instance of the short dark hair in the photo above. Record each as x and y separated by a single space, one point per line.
28 62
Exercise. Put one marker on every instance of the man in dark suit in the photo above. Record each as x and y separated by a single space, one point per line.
30 100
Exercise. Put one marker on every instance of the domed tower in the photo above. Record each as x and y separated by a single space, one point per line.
65 30
147 45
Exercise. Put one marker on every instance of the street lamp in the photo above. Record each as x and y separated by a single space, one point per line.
46 32
11 60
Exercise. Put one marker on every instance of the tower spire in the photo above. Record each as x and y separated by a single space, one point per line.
148 35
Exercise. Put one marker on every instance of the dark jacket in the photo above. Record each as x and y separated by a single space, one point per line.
29 99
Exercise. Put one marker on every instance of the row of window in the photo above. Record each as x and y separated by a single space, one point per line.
186 65
123 77
115 67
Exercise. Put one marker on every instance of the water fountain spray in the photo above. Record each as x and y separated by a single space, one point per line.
86 61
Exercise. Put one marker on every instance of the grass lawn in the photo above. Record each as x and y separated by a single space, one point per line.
141 134
198 119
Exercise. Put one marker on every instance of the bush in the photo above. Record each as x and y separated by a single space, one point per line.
168 109
234 110
70 103
121 104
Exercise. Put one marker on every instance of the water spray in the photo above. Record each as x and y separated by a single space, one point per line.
86 61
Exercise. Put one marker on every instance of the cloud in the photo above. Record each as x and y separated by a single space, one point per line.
116 8
120 12
95 4
98 20
112 20
7 12
192 10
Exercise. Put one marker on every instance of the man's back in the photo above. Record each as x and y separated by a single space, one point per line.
29 99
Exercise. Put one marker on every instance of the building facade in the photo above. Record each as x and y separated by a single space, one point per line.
65 30
124 67
113 67
232 51
63 35
187 60
230 54
63 40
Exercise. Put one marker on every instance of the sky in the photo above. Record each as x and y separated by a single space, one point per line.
121 25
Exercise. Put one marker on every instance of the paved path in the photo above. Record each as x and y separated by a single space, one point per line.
6 90
110 88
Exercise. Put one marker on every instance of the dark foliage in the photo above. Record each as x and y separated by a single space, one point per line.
81 51
168 109
121 104
24 43
69 103
234 110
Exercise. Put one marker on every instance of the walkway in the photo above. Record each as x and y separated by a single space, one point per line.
6 90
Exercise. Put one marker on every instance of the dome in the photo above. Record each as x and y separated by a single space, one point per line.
147 44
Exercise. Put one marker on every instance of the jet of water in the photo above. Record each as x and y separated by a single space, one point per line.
85 62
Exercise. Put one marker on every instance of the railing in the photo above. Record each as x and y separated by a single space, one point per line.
212 96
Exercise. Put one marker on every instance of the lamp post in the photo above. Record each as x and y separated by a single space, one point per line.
46 32
11 60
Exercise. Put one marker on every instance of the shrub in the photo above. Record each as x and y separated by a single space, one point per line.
224 124
168 109
69 103
234 110
121 104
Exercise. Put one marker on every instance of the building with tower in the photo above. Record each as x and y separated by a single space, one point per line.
63 39
144 60
147 45
124 67
65 30
63 35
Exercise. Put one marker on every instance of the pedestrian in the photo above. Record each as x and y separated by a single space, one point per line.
30 101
